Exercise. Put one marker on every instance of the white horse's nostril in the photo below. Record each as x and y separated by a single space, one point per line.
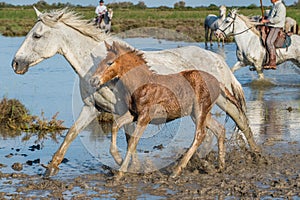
14 65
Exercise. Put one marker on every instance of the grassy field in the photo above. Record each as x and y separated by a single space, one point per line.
17 21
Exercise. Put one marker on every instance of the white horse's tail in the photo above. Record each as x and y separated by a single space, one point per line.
237 98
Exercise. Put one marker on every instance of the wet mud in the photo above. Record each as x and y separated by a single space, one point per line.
272 174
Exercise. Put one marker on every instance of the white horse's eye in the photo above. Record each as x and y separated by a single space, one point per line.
36 35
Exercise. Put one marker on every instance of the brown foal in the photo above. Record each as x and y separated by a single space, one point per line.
154 98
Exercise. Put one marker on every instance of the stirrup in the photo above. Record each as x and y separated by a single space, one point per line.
267 67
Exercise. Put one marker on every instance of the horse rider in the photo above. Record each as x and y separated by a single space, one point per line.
100 11
275 22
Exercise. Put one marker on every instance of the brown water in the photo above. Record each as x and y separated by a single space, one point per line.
51 86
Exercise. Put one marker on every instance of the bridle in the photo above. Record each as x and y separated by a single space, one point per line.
232 23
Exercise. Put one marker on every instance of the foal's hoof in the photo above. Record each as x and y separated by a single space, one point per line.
50 171
175 174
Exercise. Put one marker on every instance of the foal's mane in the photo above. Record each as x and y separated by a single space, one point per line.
125 49
247 21
73 20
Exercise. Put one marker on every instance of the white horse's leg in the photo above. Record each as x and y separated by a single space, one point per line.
223 43
241 120
88 114
210 37
206 35
237 66
260 73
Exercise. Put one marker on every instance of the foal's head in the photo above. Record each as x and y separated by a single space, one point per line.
119 60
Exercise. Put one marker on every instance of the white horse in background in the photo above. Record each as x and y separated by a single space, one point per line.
211 24
54 33
291 25
106 23
250 50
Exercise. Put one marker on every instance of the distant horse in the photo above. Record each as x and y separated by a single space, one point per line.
250 50
291 25
211 24
155 98
105 24
65 33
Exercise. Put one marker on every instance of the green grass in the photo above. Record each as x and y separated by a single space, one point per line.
17 21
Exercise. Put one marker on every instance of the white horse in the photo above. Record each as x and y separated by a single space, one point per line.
211 24
55 33
106 22
250 50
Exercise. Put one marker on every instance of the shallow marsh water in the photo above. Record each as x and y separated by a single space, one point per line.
52 86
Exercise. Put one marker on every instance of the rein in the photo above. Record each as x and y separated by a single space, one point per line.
232 23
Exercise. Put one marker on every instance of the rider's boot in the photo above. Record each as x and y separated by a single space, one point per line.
272 61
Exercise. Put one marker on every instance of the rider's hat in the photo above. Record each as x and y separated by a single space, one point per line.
101 1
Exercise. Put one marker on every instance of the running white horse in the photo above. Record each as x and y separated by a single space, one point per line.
250 51
211 24
54 33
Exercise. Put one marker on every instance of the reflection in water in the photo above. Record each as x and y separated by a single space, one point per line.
274 112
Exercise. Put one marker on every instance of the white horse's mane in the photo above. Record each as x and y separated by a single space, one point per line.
247 21
73 20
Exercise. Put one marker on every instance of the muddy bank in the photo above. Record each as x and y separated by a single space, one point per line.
273 174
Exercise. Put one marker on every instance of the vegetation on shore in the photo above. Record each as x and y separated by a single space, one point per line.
18 20
15 119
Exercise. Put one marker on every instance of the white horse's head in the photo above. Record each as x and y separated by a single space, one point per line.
227 26
222 12
50 35
40 43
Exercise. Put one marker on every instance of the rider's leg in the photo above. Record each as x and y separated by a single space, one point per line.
271 48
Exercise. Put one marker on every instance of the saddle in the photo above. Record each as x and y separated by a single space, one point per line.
283 39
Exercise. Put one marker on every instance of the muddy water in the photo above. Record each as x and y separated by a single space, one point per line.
51 86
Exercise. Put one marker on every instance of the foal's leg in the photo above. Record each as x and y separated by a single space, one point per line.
200 133
139 130
117 124
219 130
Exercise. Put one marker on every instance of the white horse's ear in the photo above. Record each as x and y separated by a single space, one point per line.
57 18
37 12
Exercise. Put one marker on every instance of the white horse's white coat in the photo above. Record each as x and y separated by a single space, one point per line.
65 33
250 50
291 25
212 22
